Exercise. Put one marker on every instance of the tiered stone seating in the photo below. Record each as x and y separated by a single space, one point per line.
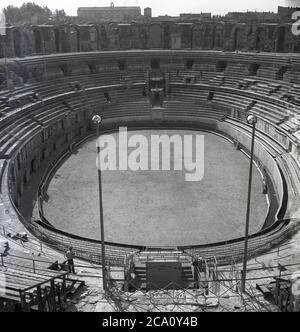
126 100
178 108
273 113
294 94
292 76
234 73
190 94
267 72
231 101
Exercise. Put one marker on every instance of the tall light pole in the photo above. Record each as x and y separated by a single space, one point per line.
97 121
252 120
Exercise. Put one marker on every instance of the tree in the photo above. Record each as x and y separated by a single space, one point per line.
31 13
59 16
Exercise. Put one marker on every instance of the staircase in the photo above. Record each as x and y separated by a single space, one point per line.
180 262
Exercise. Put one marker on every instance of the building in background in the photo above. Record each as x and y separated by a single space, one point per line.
200 16
148 13
285 13
112 13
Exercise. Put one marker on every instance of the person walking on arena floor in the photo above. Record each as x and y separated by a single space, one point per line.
70 259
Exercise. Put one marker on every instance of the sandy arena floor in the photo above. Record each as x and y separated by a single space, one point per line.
158 208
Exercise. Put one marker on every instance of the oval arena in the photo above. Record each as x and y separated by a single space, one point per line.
48 175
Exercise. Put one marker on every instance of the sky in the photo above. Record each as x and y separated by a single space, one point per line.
162 7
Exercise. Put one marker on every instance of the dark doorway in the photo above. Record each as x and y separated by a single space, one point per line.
280 41
236 39
17 43
57 40
189 64
38 41
258 40
155 64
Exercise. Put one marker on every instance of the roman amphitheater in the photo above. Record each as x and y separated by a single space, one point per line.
159 77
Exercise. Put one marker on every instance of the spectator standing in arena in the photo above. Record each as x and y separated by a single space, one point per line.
70 258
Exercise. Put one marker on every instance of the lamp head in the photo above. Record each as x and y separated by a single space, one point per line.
97 119
252 119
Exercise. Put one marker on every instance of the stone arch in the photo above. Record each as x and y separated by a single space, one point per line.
144 38
103 38
155 36
213 36
98 37
280 39
17 40
94 38
57 40
218 38
38 41
2 43
167 36
235 39
28 41
259 39
197 36
74 39
113 36
205 38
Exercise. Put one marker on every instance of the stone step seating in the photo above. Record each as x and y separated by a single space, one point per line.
53 87
15 134
217 80
292 125
206 77
277 151
273 113
178 108
51 113
274 148
261 88
267 72
128 109
4 108
123 102
202 76
294 92
236 70
234 73
292 76
180 75
231 101
264 86
190 94
282 90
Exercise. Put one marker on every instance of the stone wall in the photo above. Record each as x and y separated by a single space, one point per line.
30 40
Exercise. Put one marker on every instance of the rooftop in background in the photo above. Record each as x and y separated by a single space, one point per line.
128 14
112 13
